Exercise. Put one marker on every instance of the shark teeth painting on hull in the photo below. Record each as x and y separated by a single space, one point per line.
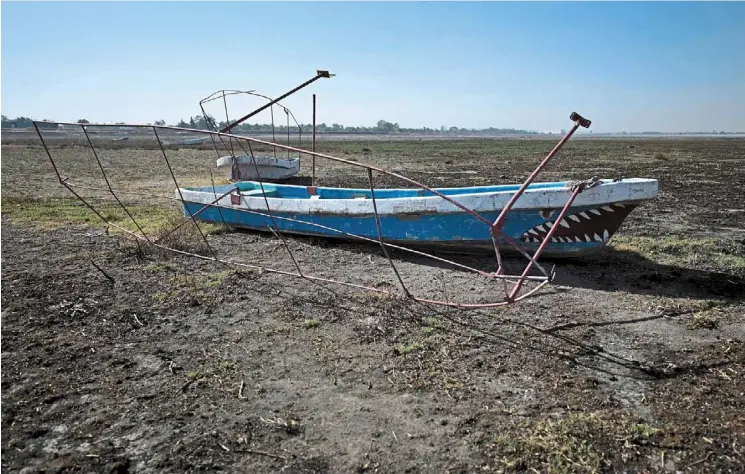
595 225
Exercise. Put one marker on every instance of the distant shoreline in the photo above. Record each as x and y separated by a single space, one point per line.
114 132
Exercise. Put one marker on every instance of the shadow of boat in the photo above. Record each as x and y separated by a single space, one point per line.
623 271
630 272
610 270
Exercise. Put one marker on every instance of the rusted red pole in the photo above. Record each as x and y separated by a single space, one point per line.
313 180
545 242
579 121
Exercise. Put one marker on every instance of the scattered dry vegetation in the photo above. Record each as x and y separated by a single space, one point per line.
122 358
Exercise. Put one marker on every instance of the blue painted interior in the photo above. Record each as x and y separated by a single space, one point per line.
251 188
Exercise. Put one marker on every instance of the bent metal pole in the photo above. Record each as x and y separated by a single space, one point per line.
579 121
319 75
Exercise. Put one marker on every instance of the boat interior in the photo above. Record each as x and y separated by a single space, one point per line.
252 188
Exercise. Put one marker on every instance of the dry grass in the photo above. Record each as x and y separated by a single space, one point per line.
175 232
577 442
192 289
156 222
52 213
714 252
706 319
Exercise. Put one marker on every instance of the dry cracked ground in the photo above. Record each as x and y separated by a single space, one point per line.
118 358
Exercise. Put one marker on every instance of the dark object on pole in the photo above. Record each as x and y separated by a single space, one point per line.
577 118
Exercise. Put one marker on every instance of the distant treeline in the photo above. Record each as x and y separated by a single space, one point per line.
382 127
24 122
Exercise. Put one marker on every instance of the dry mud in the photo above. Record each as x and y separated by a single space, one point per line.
119 359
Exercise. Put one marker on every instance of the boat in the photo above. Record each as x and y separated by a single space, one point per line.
421 218
193 141
249 167
550 219
245 168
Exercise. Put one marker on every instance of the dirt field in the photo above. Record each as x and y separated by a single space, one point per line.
119 359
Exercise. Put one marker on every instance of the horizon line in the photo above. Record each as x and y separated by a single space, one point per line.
405 129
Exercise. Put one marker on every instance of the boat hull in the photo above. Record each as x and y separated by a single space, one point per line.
243 167
193 141
430 221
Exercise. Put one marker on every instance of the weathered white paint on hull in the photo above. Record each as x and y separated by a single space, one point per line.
408 215
627 190
269 168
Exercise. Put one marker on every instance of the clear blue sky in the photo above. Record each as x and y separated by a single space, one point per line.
627 66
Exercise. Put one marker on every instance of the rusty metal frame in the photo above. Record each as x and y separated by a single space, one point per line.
224 94
511 295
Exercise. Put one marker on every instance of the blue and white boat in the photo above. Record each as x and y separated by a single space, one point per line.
420 218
